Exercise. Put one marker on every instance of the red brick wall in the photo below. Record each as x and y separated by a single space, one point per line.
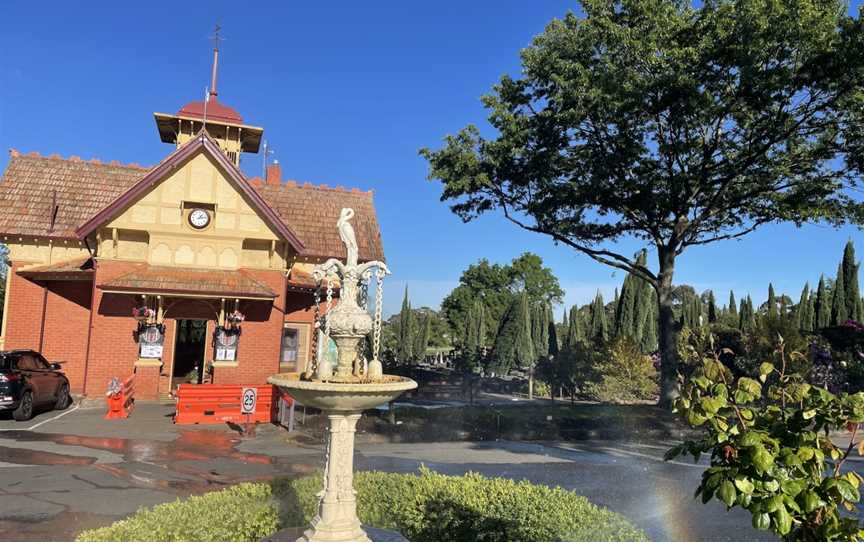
65 338
67 312
113 350
24 318
258 351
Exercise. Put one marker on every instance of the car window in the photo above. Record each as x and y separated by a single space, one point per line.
42 363
26 362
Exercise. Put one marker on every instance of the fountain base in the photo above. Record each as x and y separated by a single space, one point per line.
374 535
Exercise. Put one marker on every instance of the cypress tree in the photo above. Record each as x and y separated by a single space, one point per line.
648 339
406 330
802 312
852 293
747 316
772 302
597 326
513 345
839 315
553 333
422 337
733 308
575 333
565 328
540 330
712 307
822 306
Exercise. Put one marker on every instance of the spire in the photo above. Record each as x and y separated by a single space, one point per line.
216 40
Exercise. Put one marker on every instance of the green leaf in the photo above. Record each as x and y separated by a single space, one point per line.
764 370
726 493
810 501
743 484
792 487
762 460
783 521
749 439
772 504
808 414
750 386
806 453
848 491
761 521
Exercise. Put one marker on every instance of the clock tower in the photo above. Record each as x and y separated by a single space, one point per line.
222 122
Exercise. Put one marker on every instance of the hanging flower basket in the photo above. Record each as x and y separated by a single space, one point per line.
235 318
143 313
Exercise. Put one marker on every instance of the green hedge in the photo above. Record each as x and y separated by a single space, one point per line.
428 507
244 512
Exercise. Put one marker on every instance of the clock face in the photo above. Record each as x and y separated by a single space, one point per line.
199 218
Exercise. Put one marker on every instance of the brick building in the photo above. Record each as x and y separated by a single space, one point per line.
191 240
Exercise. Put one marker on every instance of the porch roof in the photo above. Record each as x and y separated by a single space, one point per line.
75 269
191 282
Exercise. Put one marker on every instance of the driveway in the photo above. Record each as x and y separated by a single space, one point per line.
60 475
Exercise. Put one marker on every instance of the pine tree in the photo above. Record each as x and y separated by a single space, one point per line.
839 315
823 305
407 330
772 302
712 307
852 293
597 327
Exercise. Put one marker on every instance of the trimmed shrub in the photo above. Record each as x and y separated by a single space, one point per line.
433 507
428 507
240 513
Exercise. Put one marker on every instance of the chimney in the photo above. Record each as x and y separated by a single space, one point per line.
274 173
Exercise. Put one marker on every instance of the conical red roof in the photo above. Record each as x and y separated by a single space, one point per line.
215 111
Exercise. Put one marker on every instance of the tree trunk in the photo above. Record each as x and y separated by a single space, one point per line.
531 383
667 331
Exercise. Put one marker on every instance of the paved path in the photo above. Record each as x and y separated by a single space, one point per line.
59 476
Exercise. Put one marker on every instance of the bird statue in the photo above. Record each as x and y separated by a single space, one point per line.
346 233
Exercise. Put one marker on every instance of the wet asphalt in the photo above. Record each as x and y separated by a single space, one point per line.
60 476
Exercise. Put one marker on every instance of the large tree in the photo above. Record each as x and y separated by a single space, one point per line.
674 123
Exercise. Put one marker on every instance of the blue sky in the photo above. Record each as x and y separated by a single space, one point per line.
347 94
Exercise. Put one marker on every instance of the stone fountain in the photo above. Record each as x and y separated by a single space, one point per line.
343 392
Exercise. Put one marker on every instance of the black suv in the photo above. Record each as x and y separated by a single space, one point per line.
28 381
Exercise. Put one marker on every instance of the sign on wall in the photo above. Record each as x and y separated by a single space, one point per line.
225 343
151 339
249 399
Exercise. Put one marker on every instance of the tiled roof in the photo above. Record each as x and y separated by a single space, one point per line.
76 268
82 188
32 183
179 280
312 211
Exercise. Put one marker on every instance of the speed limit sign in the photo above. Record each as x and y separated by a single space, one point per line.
250 397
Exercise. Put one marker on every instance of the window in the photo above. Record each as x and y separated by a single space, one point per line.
295 341
26 362
290 345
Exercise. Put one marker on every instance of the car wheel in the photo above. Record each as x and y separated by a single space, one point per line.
25 408
63 399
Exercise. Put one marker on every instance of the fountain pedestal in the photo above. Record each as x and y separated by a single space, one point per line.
342 403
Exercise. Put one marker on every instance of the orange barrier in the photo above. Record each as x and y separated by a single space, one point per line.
212 403
120 404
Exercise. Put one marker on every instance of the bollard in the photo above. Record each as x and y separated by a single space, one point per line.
121 398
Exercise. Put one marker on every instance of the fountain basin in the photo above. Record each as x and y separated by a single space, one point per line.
343 396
